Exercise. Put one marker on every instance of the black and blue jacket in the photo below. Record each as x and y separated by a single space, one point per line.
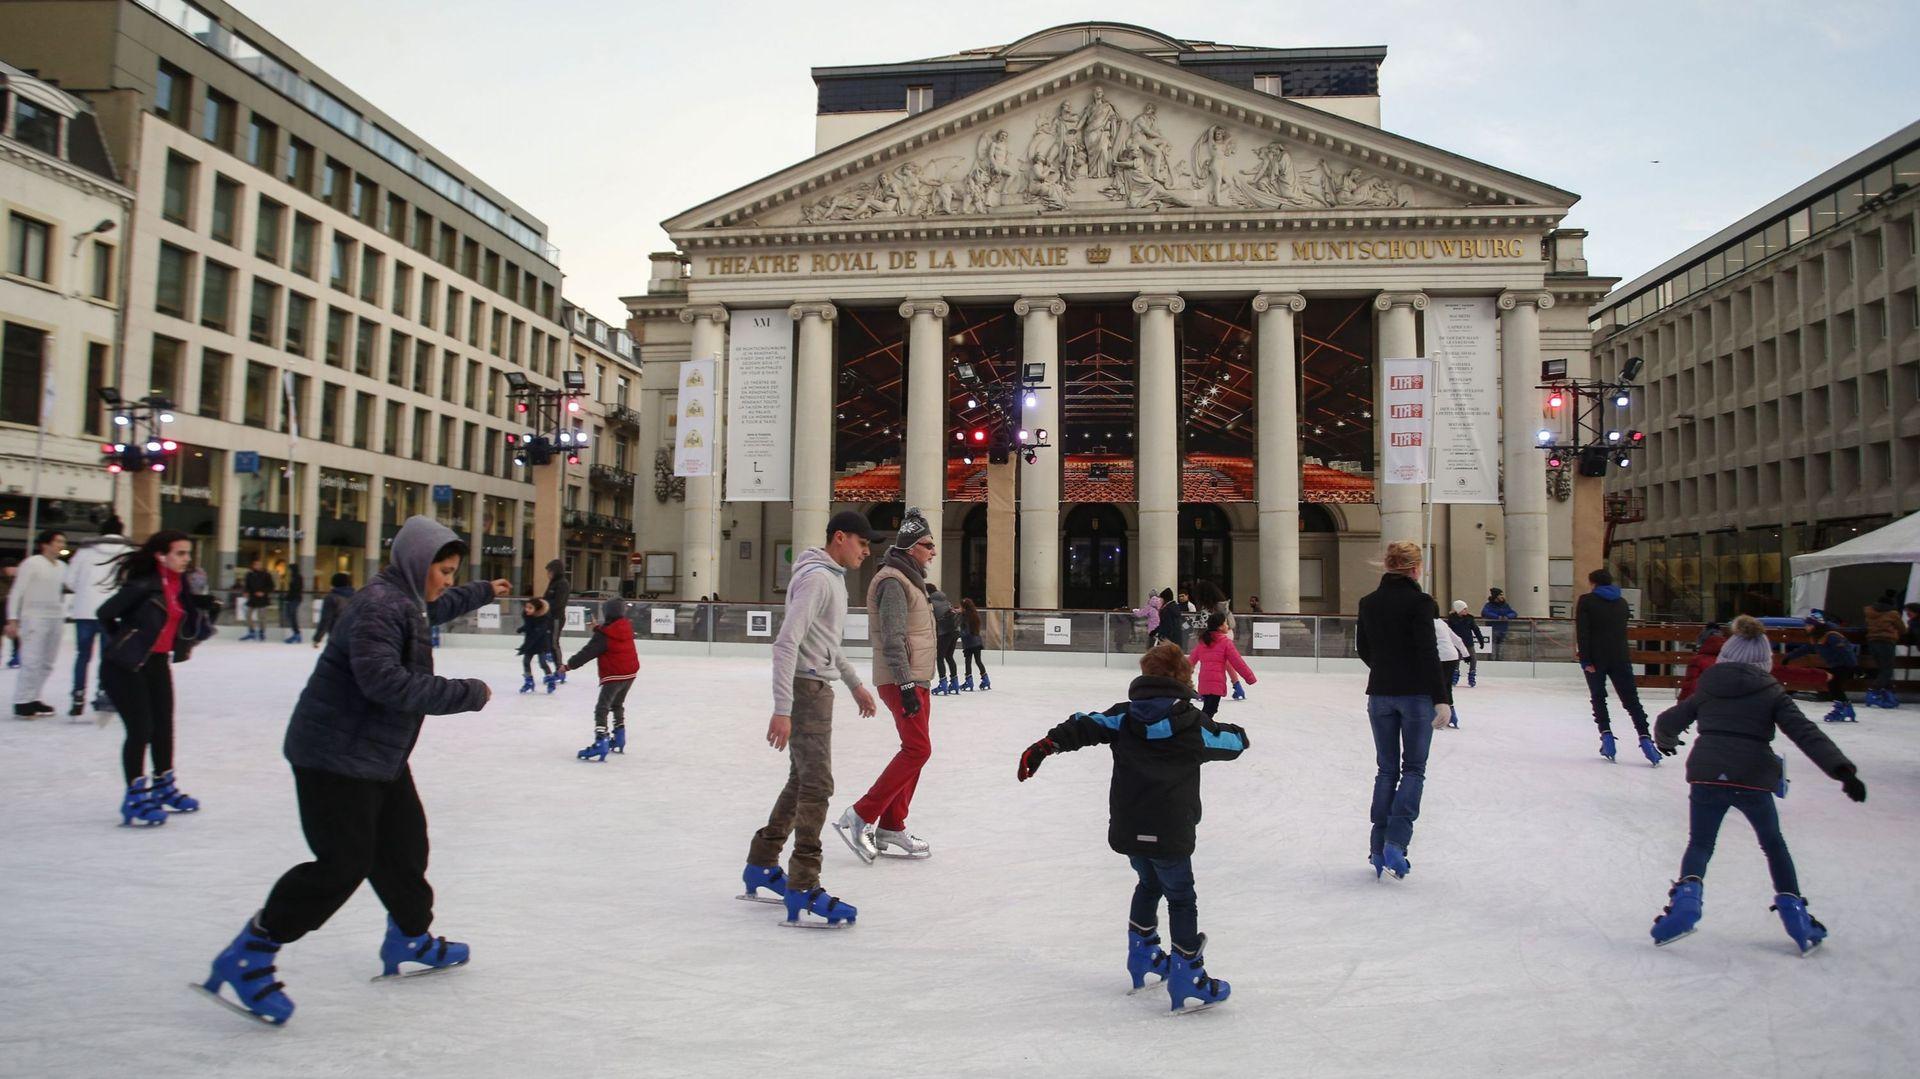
1159 742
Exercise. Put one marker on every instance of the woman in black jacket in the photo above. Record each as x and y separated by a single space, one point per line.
1395 640
1738 705
150 623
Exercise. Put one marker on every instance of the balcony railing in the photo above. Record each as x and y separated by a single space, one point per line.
609 476
600 522
621 414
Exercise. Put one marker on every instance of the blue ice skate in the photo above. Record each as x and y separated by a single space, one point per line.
985 682
1187 980
1806 932
1379 865
168 795
1842 713
139 807
1473 677
967 686
1650 751
434 954
1607 748
769 877
1682 914
828 911
1454 679
527 686
598 750
1144 957
247 966
1453 720
1394 860
619 741
295 639
1239 692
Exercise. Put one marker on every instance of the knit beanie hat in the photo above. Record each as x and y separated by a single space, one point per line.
1747 643
1459 605
913 529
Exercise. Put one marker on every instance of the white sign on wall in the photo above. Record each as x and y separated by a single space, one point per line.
576 617
760 406
1266 635
759 623
1466 399
856 627
1406 404
661 621
693 432
1059 631
489 616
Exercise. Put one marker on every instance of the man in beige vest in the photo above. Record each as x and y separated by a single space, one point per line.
901 628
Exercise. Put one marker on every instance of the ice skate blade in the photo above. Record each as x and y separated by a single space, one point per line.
768 899
851 845
421 973
1675 937
815 924
1189 1009
906 856
231 1006
1161 984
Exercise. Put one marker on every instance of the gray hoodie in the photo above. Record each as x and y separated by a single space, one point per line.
809 642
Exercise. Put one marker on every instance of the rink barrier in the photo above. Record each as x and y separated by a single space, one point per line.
1662 651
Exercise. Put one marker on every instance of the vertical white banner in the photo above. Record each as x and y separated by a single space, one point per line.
760 406
693 434
1466 400
1406 408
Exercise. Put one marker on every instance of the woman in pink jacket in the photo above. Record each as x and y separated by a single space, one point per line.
1212 656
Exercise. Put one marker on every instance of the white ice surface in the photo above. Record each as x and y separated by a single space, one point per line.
599 899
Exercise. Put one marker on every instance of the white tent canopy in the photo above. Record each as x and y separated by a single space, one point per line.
1896 544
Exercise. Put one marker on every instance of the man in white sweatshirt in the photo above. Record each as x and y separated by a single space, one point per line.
36 610
91 570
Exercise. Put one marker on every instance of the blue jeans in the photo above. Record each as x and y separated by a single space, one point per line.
1173 878
1708 805
1402 732
84 632
1621 675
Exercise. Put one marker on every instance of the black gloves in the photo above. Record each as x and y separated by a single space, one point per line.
1035 753
910 701
1855 789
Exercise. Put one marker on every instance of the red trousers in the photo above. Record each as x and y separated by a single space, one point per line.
887 802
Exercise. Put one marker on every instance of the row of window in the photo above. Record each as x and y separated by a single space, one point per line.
29 240
31 123
1791 485
920 98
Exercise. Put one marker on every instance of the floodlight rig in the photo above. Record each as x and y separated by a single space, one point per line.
1005 431
1598 440
548 416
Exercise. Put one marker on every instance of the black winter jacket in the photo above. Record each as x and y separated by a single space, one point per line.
536 635
1159 741
330 609
1465 628
134 617
361 711
1600 628
259 587
558 589
1395 640
1738 707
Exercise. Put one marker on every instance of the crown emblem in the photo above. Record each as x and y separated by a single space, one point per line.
693 441
1098 254
695 379
694 408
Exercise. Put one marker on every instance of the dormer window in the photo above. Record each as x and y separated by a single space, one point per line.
919 99
1267 84
37 126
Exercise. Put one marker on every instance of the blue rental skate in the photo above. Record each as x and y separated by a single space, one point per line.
168 795
1453 718
985 682
598 750
619 741
768 877
140 807
1144 957
553 682
1394 860
828 911
1187 980
1378 864
1806 932
1650 751
1607 748
1682 915
1842 713
967 686
433 954
1473 677
247 966
1239 692
527 686
295 639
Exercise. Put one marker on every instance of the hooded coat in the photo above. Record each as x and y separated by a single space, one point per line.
611 644
1738 707
1600 627
360 713
1159 742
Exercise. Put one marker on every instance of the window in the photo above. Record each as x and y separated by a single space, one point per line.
266 229
304 230
176 197
364 343
423 232
453 312
213 383
402 288
340 273
263 143
449 239
226 217
919 99
419 446
172 89
390 444
336 337
163 375
36 126
296 409
448 371
96 378
22 356
473 382
470 258
427 298
216 123
423 365
365 202
490 268
395 222
362 420
1267 84
446 441
334 183
216 296
370 275
476 314
299 323
27 241
262 311
468 459
330 396
299 165
497 341
170 290
397 357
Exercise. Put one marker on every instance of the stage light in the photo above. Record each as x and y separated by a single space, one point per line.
573 458
1553 461
1631 370
1623 461
1622 399
959 436
967 459
166 417
566 438
973 402
1040 435
979 434
169 445
159 466
1556 399
1033 400
579 438
153 447
519 406
1543 435
572 405
120 419
113 468
1613 436
1636 436
1023 434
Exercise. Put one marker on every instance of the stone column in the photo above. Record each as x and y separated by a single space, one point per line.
376 508
700 521
1040 481
925 478
1525 467
516 518
1277 461
309 543
1400 516
227 523
812 424
1157 449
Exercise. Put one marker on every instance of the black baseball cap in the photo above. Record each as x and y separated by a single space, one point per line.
855 522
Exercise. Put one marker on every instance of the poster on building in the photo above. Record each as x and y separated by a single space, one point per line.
760 406
488 617
1406 405
693 429
577 619
1059 631
1266 636
660 621
782 566
1466 399
759 623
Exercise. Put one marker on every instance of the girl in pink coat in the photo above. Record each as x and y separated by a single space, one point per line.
1212 656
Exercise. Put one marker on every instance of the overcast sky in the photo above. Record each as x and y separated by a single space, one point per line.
603 117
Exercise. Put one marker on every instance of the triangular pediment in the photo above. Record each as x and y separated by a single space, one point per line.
1103 131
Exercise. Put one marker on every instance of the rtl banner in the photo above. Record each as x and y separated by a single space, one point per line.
693 432
1466 403
760 406
1406 421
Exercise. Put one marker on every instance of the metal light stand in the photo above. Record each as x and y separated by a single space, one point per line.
1589 397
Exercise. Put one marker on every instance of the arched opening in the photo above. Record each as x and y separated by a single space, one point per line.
1314 518
1206 546
973 556
1093 558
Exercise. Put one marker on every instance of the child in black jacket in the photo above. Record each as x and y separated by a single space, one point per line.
1159 741
536 642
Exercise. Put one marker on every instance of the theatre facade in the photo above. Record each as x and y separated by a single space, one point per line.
1202 281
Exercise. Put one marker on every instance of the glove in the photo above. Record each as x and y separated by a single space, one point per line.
909 701
1668 748
1037 752
1855 789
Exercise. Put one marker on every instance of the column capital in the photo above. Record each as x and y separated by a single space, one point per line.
1513 298
924 306
825 312
1387 301
1149 300
1027 305
693 312
1277 301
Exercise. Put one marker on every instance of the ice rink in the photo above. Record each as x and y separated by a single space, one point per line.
599 898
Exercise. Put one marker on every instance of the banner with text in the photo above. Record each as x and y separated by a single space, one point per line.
1466 400
1406 427
693 433
760 406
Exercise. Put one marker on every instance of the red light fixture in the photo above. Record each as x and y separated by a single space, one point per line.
1556 399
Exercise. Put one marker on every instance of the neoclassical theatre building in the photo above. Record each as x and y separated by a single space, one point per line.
1197 255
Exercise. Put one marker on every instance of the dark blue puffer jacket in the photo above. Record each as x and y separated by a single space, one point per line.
361 712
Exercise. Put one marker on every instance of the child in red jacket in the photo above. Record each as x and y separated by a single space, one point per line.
612 645
1213 656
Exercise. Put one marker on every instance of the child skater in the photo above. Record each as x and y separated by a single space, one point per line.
1159 741
1452 650
331 607
1738 706
612 645
1214 658
972 646
536 641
